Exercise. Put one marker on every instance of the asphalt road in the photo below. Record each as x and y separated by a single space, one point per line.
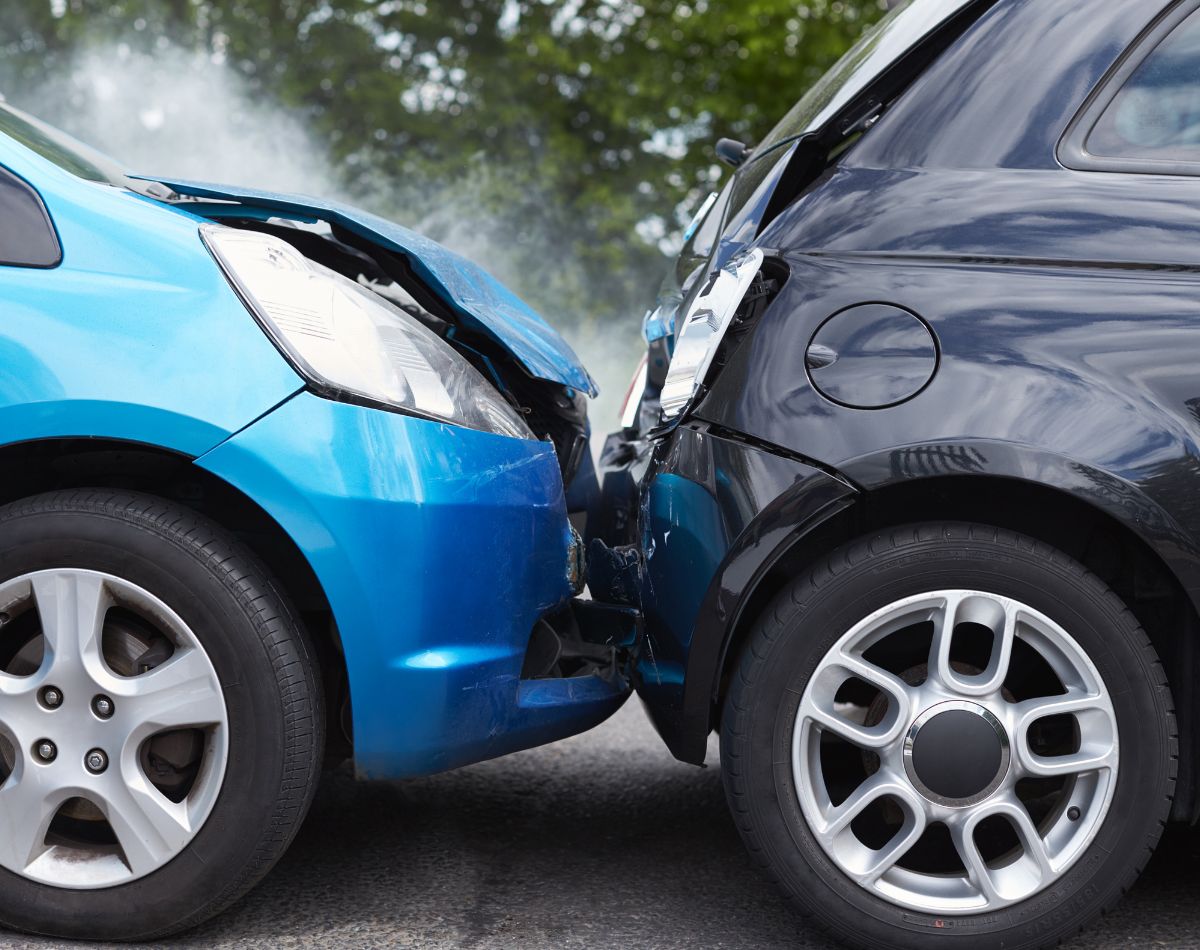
601 841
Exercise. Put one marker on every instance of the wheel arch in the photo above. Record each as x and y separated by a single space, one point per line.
35 466
1107 524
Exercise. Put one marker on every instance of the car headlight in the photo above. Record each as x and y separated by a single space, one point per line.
351 343
701 330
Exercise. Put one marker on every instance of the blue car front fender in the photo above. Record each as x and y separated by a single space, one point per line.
136 335
438 549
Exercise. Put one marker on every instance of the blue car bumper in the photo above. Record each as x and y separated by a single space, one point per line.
438 549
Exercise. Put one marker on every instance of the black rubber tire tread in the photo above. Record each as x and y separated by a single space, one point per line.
246 581
782 620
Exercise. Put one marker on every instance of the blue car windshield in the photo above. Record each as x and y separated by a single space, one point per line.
902 29
58 147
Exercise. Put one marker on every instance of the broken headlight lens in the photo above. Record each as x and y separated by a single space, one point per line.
702 328
349 342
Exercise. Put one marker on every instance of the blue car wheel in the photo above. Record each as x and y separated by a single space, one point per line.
162 723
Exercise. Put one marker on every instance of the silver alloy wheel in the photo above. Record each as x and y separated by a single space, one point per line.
98 727
973 701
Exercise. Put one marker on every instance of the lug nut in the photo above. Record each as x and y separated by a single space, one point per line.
52 697
96 761
103 707
45 750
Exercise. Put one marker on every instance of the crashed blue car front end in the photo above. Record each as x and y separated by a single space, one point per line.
442 549
439 557
431 539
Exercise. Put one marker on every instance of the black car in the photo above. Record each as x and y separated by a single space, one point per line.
910 497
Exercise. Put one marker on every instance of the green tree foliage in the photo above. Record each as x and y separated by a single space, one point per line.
581 130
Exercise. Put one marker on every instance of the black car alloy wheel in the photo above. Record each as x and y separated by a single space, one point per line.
950 733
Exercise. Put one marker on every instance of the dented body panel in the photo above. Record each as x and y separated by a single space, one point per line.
717 513
477 296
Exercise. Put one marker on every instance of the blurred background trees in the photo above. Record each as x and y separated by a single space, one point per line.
574 137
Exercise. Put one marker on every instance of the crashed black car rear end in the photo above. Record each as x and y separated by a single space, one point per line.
909 499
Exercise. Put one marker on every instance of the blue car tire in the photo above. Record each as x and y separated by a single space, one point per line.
163 723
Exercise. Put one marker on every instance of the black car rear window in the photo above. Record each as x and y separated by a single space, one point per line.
1156 113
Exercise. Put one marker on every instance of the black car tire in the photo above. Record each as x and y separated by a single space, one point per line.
808 617
267 676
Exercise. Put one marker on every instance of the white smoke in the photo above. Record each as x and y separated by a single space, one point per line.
178 113
184 114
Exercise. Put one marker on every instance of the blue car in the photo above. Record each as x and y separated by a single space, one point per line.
284 483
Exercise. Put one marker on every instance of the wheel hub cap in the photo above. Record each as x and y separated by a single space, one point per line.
101 684
956 753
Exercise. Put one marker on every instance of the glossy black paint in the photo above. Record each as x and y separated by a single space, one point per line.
871 356
1066 309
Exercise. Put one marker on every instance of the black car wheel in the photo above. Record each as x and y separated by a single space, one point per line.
949 734
160 721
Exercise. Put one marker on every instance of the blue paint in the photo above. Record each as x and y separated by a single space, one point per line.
659 322
135 335
438 548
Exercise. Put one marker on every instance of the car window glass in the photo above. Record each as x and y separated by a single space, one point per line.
59 148
1156 114
701 243
27 237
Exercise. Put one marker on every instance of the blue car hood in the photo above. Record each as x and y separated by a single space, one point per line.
480 300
